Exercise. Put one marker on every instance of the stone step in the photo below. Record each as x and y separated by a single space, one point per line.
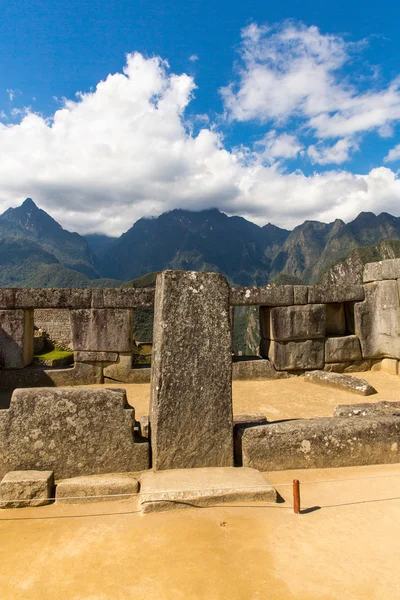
187 488
96 488
20 489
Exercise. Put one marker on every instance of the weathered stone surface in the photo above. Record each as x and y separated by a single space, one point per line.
341 382
324 294
76 298
97 488
321 443
335 319
71 432
382 270
123 371
376 409
300 294
7 298
342 349
145 426
92 357
267 295
186 488
387 365
295 356
128 297
102 330
191 382
79 374
256 369
377 321
250 419
348 367
16 338
298 322
19 489
372 272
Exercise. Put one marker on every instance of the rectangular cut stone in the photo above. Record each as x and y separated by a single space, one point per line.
300 293
16 338
377 321
7 298
255 370
342 349
387 365
267 295
97 488
373 409
191 375
102 329
71 431
128 297
19 489
372 272
295 356
298 322
335 319
391 268
321 443
348 383
323 294
91 357
185 488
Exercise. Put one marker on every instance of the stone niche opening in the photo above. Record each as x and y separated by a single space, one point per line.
143 320
246 333
340 319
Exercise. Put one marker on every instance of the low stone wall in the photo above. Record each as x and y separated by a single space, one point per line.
57 324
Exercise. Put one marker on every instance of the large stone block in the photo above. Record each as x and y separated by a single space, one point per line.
16 338
71 432
267 295
324 294
321 443
377 321
300 294
191 383
19 489
102 329
296 356
374 409
348 383
256 370
342 349
298 322
97 488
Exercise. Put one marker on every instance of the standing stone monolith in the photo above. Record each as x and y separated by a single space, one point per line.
191 380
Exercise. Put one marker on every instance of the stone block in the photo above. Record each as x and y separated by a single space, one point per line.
191 379
186 488
97 488
377 321
324 294
256 370
387 365
348 383
300 294
372 272
102 329
19 489
93 357
357 366
71 431
128 297
16 338
145 426
342 349
376 409
7 298
298 322
296 356
391 268
124 371
267 295
321 443
250 419
335 319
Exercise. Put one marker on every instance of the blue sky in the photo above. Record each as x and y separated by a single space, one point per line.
279 111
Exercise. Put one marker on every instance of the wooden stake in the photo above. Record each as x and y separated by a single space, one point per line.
296 496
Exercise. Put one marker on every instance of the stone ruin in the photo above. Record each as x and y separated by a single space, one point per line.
72 431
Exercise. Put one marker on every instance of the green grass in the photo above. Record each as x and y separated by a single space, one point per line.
54 354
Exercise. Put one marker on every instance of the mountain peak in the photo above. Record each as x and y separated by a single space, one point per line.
28 203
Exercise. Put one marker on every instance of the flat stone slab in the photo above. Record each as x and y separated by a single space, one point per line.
19 489
355 385
96 488
375 409
186 488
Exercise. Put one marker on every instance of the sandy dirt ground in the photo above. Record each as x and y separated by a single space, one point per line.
345 545
284 398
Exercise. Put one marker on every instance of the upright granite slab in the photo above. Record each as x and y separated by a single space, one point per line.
71 432
16 338
191 379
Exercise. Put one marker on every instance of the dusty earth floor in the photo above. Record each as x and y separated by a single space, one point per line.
344 546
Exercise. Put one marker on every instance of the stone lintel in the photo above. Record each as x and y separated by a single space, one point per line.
267 295
325 294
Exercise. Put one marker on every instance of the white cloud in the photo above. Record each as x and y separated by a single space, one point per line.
394 154
193 57
293 71
336 154
125 150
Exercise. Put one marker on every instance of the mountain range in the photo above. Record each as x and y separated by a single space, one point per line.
35 251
